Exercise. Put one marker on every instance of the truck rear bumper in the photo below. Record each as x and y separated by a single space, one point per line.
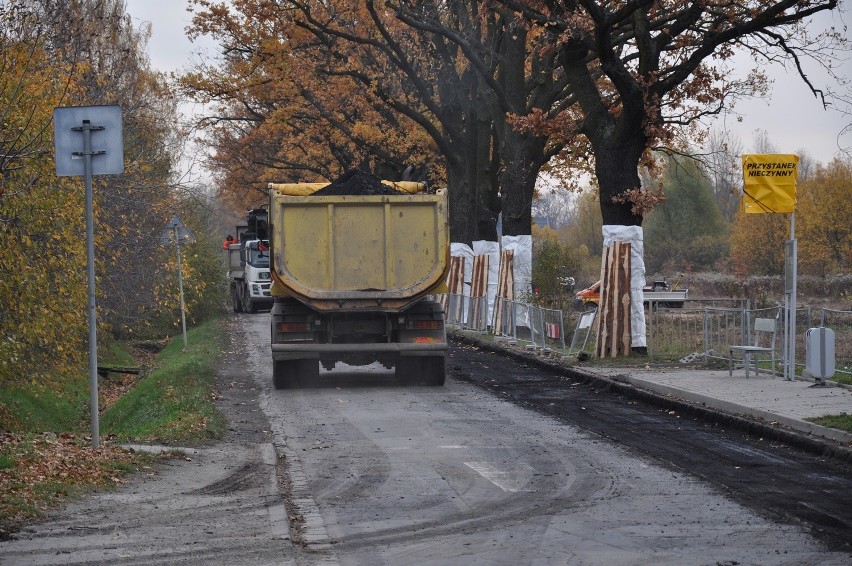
302 351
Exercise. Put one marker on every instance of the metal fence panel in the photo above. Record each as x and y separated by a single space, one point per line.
695 331
553 329
582 330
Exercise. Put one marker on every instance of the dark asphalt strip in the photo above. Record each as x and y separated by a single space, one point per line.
784 475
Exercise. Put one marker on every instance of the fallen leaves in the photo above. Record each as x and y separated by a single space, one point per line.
44 468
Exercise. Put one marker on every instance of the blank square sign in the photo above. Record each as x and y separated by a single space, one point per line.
68 142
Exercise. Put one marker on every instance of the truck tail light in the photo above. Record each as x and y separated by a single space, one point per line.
294 327
427 324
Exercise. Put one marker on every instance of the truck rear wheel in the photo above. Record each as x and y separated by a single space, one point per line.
436 369
406 372
430 370
308 372
285 374
235 299
288 374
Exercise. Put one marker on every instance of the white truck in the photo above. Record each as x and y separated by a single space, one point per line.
248 265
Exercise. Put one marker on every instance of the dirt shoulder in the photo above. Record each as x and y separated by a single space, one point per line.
217 503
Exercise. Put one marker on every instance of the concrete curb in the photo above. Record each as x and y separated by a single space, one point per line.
766 425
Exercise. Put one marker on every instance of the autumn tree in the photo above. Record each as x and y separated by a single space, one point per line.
723 164
644 72
333 97
553 207
67 54
552 264
42 284
522 78
110 65
757 243
287 107
454 75
824 230
583 236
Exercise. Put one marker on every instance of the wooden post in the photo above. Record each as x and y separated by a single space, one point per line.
614 327
505 288
479 289
455 288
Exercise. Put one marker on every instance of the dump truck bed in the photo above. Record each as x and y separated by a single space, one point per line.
358 252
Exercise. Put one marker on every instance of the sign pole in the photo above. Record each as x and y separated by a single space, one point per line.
178 231
791 317
180 286
71 162
87 153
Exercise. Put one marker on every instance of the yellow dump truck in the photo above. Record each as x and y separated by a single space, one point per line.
353 278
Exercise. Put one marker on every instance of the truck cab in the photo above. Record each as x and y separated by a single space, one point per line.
250 276
249 264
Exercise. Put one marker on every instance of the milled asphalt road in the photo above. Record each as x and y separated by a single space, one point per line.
223 505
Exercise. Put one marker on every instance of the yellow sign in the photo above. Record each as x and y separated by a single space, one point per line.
769 183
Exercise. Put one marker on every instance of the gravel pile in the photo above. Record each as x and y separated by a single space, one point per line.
356 182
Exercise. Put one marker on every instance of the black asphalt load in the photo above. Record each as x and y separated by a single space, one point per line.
782 474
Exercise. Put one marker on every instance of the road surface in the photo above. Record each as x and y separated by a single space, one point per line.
360 470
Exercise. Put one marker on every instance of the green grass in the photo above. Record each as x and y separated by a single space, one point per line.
47 429
64 408
42 410
842 421
116 354
173 404
842 378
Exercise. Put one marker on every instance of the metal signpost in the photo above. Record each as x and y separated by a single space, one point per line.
177 231
98 151
791 259
769 187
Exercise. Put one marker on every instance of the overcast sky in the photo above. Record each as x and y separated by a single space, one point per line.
792 117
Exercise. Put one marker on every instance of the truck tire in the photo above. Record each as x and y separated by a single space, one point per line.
235 300
437 371
289 374
430 370
285 374
308 372
249 305
406 371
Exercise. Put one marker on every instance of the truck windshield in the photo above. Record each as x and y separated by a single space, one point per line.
258 257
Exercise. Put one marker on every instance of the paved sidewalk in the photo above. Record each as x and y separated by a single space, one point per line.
771 399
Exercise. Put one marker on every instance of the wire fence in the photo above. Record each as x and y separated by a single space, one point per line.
701 330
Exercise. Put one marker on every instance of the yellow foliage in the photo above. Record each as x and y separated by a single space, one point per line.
823 230
42 300
757 243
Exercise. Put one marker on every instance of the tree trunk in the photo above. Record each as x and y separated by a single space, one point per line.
617 171
462 202
522 154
